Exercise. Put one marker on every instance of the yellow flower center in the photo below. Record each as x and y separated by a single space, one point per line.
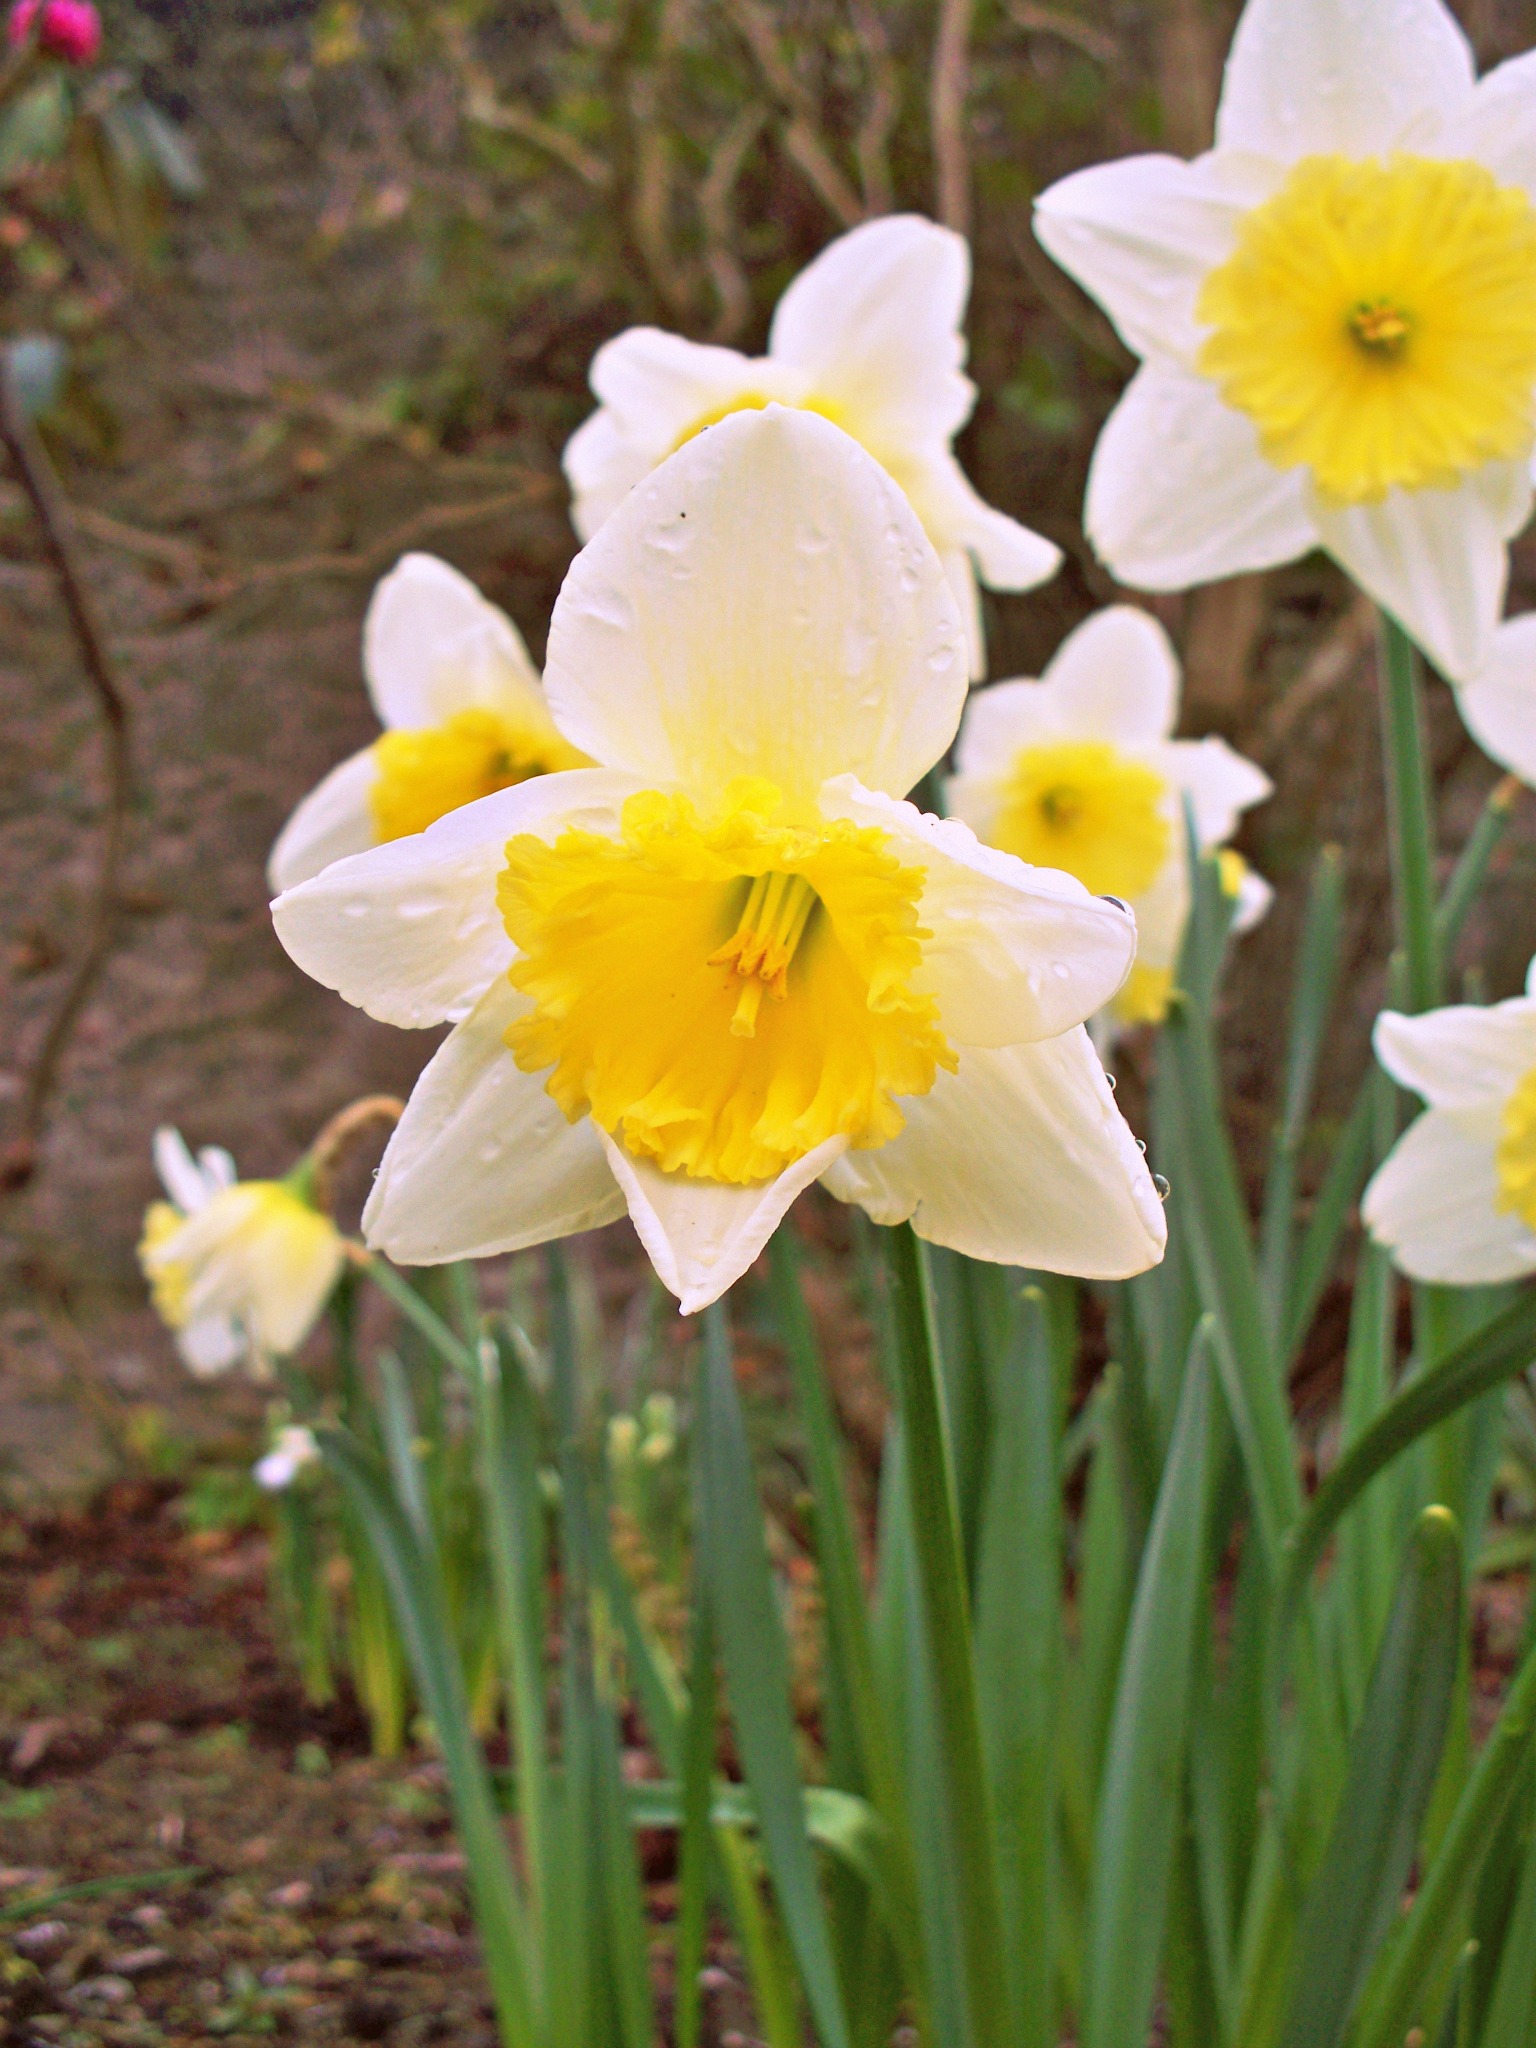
1377 323
1084 806
755 401
426 773
721 996
169 1280
1145 996
1516 1156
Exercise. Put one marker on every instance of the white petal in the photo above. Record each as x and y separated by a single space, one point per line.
764 604
1254 896
1143 234
333 821
1021 1157
218 1167
483 1161
1017 952
1007 555
1116 677
210 1346
410 931
1436 560
1499 701
1220 783
654 389
180 1175
874 323
1497 127
432 645
1433 1203
1179 491
1162 911
1357 76
1000 722
292 1289
1462 1056
964 587
702 1235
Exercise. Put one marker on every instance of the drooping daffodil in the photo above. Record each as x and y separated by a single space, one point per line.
868 335
463 713
1499 702
1336 308
1454 1201
237 1269
293 1450
1080 771
730 960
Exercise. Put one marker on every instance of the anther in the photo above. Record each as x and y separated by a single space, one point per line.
1379 327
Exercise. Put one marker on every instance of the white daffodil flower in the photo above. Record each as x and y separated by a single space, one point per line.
1499 702
1080 771
869 336
730 960
293 1449
1336 315
237 1269
463 713
1454 1201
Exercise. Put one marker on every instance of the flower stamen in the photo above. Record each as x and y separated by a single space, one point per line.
772 924
1380 328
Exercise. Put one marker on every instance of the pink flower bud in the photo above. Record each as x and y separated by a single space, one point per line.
68 29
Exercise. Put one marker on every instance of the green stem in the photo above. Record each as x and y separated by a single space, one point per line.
945 1606
1410 813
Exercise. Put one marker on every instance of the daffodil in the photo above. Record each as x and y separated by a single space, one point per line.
1499 702
237 1269
1336 307
293 1449
1080 771
1455 1199
463 713
730 960
869 336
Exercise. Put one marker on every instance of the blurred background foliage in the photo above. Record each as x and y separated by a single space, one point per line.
327 281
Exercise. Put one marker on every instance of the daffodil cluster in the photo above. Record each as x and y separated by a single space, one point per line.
729 958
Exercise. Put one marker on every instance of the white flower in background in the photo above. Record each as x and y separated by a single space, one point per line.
1499 702
293 1448
729 960
1080 771
1454 1201
237 1269
868 335
463 713
1337 313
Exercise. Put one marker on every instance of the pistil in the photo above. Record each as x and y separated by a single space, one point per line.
770 928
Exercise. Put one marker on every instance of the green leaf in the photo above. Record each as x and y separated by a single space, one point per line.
1513 1998
1018 1655
1357 1893
416 1595
1141 1797
1483 1361
1419 1953
1317 960
756 1659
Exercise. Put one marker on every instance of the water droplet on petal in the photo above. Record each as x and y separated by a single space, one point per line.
1161 1187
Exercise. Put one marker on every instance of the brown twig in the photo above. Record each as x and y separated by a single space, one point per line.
335 1137
483 107
1067 28
803 141
871 145
1068 302
1331 664
946 115
726 272
18 1162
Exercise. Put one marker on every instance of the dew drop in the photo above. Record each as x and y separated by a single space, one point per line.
1161 1187
1061 970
